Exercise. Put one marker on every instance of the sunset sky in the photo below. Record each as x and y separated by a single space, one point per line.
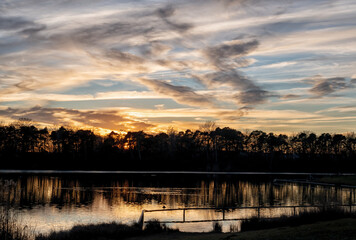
272 65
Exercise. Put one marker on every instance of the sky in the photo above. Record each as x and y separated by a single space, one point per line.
279 66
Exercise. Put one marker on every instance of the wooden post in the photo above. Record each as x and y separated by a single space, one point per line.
183 215
258 212
294 211
223 214
141 220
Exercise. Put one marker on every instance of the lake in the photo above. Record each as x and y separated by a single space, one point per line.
55 201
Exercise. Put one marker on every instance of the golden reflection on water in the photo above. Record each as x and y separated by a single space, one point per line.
50 203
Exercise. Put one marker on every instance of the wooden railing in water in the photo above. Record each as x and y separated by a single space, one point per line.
142 221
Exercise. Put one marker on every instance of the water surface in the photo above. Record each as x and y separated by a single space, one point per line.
58 201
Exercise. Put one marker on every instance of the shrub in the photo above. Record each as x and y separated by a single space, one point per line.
217 227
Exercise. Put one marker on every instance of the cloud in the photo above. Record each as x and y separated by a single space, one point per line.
98 33
326 86
17 34
21 26
139 26
229 77
167 12
13 23
290 96
286 26
345 110
249 93
252 96
123 57
61 116
33 78
177 113
227 55
33 30
46 51
230 115
277 65
155 49
181 94
94 50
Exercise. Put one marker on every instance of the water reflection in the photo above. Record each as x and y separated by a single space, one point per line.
58 202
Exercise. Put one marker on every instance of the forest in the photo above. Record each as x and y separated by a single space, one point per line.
211 148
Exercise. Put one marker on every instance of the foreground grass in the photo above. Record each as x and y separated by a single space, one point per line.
106 231
346 180
337 229
10 229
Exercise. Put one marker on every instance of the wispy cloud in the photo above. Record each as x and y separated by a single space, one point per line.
61 116
181 94
326 86
228 54
290 96
166 13
226 58
15 23
248 92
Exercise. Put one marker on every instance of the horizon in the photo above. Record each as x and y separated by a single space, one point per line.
275 66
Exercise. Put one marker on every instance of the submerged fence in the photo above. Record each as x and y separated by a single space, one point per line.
294 210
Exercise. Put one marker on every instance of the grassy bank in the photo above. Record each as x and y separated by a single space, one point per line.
335 229
106 231
329 230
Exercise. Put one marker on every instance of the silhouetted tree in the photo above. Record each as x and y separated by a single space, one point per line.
23 144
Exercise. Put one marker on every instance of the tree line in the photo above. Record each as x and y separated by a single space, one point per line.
24 146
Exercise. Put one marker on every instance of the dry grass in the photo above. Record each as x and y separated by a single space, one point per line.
106 231
10 229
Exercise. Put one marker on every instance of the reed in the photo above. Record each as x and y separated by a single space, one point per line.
10 229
